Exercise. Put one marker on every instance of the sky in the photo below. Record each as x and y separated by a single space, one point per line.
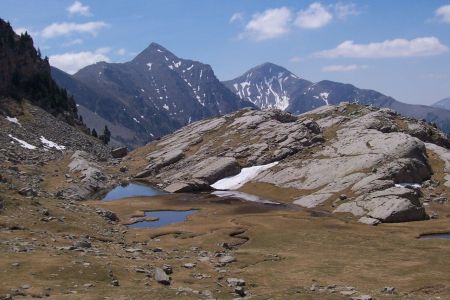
400 48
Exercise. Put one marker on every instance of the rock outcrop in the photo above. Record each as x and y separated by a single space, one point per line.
347 158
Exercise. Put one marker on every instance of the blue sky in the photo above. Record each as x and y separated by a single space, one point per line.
400 48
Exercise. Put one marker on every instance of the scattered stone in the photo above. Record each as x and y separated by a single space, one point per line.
85 244
133 250
161 277
240 290
28 192
115 282
369 221
235 282
167 269
189 265
362 297
226 259
389 290
119 152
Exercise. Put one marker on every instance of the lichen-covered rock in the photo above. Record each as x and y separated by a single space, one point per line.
363 152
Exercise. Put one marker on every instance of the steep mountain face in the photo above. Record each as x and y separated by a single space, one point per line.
269 85
444 103
25 75
152 95
125 122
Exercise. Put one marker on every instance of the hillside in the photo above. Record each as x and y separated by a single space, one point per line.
25 75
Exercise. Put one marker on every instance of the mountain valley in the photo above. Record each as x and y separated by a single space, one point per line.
288 189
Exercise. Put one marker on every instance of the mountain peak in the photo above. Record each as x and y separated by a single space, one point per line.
154 50
269 68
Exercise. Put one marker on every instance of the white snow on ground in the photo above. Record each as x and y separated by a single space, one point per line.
23 144
166 107
409 185
50 144
237 181
149 65
13 120
136 120
243 196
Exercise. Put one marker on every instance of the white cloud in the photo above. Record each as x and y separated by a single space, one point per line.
73 42
344 10
443 13
71 62
121 51
271 23
237 17
343 68
21 30
60 29
315 16
423 46
296 59
78 8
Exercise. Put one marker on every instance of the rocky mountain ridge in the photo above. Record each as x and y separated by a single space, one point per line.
149 96
349 158
272 86
444 103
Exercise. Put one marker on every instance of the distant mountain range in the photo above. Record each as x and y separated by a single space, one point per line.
150 96
269 85
157 92
444 103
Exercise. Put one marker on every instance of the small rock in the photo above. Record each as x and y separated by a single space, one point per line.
240 290
226 259
88 285
167 269
115 282
119 152
161 276
28 192
362 297
235 282
389 290
189 265
347 293
83 244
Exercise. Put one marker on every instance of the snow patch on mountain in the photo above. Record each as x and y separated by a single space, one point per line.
22 143
50 144
13 120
